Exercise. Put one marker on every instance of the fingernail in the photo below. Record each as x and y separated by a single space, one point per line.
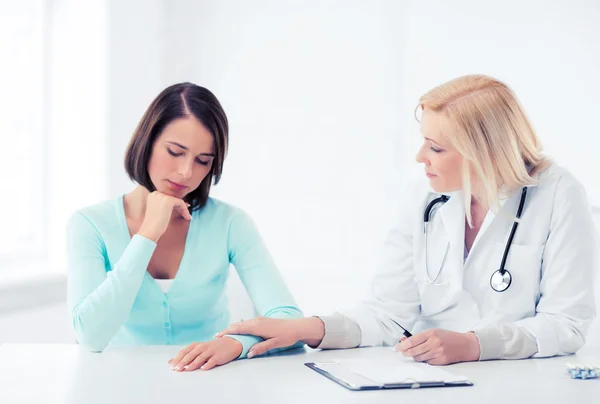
202 367
185 367
178 368
250 354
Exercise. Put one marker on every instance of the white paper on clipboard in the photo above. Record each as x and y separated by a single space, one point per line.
391 370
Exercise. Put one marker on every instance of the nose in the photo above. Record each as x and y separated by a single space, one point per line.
421 157
185 168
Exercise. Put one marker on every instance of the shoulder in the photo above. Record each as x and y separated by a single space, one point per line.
102 217
221 212
230 222
558 182
225 219
560 192
415 196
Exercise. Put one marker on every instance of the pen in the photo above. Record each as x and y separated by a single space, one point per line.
406 333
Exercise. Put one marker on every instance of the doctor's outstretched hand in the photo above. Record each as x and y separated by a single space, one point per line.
440 347
278 333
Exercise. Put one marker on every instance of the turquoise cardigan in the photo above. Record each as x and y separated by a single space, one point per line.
113 300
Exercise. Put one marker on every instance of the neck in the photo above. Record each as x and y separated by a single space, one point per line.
475 201
478 212
135 202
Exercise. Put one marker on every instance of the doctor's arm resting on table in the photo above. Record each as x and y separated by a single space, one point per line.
487 124
106 266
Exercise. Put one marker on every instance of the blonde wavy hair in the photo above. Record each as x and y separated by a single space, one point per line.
486 124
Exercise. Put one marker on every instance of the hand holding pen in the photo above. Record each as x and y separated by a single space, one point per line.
405 332
439 347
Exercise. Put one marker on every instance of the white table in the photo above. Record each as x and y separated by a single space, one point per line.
45 373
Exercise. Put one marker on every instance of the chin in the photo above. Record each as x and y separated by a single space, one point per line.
175 194
438 187
435 186
172 192
443 189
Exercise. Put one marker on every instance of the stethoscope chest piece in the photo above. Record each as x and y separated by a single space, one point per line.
500 280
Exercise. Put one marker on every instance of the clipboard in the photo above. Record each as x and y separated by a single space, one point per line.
352 380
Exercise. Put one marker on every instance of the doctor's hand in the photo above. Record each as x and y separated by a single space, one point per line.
440 347
206 355
278 333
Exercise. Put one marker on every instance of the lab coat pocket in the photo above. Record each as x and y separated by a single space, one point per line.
433 281
435 298
524 262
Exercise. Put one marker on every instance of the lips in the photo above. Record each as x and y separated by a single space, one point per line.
176 185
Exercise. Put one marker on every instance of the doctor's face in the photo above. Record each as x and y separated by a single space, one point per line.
443 163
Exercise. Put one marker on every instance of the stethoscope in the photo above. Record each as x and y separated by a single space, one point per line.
501 278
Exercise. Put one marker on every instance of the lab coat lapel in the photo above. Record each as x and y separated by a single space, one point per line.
487 222
453 217
508 209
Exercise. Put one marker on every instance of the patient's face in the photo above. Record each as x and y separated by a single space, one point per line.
182 157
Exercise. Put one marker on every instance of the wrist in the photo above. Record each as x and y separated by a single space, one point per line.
150 235
311 331
237 346
473 351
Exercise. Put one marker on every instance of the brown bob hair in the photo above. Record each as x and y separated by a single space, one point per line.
175 102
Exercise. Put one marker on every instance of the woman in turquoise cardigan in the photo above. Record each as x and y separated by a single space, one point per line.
150 267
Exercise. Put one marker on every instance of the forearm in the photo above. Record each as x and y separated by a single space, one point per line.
330 332
505 341
98 315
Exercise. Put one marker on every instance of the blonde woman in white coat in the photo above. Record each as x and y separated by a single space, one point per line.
447 285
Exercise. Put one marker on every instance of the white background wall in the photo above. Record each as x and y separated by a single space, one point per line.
547 51
320 96
312 91
77 100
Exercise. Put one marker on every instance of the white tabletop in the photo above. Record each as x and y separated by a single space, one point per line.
44 373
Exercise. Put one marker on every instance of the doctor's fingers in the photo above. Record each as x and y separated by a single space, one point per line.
413 341
242 327
430 356
419 349
262 347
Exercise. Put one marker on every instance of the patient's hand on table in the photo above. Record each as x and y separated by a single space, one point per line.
206 355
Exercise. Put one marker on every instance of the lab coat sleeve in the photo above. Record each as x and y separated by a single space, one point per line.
393 295
259 274
505 341
340 332
566 306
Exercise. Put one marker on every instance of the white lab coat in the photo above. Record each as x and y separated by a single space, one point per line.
553 259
